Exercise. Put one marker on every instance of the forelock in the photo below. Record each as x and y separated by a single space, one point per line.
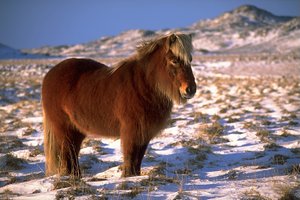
182 47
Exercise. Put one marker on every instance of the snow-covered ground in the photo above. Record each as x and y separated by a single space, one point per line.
238 138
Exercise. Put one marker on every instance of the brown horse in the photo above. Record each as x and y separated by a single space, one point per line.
132 100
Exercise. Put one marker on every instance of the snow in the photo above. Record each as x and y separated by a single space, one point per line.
44 185
33 120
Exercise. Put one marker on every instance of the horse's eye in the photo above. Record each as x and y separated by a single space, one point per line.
175 61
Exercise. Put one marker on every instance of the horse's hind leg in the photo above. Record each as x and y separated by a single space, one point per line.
70 147
62 146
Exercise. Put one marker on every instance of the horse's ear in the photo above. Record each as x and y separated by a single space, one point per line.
172 38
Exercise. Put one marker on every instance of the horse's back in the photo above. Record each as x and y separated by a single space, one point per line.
73 68
68 72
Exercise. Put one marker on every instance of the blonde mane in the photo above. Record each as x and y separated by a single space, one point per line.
178 43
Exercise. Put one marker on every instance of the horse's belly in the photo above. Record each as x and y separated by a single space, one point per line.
103 131
95 126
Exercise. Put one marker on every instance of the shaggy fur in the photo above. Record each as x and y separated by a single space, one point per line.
132 101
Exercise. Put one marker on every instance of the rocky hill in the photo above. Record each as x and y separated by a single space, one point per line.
244 17
245 30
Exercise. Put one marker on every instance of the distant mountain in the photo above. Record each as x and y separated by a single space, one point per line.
244 30
7 52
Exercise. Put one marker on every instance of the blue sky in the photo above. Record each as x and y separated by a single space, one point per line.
36 23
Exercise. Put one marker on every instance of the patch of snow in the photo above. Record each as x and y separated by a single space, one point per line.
33 120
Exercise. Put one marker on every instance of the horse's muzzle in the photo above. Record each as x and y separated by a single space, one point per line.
189 92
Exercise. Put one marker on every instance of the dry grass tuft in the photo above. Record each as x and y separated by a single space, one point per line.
279 159
9 143
75 189
264 134
213 130
294 170
285 132
232 119
8 194
9 163
158 171
288 192
253 194
201 117
250 126
94 143
271 146
295 151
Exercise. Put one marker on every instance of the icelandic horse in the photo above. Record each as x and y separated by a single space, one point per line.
131 101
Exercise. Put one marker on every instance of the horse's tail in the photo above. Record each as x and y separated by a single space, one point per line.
50 148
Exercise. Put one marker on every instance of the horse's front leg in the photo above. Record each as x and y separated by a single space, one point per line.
133 154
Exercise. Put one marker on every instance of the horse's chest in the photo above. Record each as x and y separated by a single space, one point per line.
157 114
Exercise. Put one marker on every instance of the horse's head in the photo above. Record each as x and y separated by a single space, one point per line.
178 64
170 58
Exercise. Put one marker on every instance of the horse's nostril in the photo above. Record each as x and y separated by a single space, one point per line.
191 90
